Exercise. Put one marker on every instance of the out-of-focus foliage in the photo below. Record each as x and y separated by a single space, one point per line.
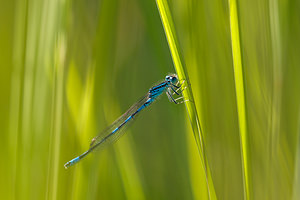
69 68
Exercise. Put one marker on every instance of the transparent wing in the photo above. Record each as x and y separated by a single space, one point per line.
107 136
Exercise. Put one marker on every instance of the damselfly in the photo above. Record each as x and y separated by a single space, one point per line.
170 85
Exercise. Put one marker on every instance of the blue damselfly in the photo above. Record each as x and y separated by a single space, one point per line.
170 85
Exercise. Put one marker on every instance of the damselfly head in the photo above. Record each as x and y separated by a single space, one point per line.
172 78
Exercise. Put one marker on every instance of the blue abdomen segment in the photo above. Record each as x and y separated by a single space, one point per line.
72 162
76 160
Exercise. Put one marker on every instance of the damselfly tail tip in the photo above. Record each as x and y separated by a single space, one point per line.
67 165
72 162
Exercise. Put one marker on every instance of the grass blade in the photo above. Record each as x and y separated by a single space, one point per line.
166 19
240 94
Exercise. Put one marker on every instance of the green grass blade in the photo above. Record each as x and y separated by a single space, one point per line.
240 94
166 19
275 115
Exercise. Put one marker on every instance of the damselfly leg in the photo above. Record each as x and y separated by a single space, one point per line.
177 89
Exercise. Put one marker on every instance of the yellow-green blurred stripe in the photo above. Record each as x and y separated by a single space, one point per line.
240 94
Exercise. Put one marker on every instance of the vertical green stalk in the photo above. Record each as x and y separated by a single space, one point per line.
240 94
275 114
167 22
16 93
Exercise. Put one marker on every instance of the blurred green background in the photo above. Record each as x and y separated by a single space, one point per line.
70 68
